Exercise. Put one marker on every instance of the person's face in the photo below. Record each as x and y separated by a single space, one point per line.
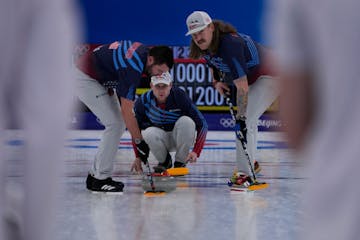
155 69
161 91
203 38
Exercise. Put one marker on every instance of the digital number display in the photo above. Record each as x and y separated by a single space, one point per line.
194 77
204 96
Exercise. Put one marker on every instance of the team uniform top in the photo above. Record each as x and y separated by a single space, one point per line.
149 113
118 65
238 55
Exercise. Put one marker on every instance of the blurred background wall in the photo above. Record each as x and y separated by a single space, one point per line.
162 21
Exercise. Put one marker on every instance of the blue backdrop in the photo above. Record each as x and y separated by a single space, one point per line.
163 21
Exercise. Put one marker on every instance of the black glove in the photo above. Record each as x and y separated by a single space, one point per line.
143 150
241 130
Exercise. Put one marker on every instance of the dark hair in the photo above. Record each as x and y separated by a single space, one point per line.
220 28
162 54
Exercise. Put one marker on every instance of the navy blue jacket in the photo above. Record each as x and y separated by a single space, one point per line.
178 104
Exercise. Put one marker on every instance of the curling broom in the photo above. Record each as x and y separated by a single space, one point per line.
157 184
255 185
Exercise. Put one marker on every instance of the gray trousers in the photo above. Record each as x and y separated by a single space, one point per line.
107 109
180 140
261 95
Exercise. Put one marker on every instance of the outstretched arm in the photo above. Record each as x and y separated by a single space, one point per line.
127 110
242 89
142 149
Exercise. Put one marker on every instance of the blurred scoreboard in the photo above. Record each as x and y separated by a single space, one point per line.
196 80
